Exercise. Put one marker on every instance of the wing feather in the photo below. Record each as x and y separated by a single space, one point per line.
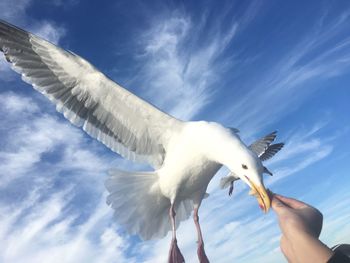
271 151
122 121
261 145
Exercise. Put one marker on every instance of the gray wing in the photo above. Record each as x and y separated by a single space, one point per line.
226 181
262 144
122 121
271 151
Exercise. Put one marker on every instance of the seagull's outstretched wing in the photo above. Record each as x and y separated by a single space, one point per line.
260 146
271 151
122 121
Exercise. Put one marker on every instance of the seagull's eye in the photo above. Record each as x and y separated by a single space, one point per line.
244 166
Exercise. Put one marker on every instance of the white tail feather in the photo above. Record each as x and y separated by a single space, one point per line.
139 204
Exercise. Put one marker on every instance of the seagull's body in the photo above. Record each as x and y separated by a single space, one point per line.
189 166
185 155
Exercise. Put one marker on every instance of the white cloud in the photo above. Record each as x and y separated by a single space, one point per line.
45 221
336 217
49 31
29 142
41 234
176 77
15 104
32 135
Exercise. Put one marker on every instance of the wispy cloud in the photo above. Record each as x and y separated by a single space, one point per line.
14 104
49 31
178 73
305 161
41 234
47 219
33 135
336 215
285 85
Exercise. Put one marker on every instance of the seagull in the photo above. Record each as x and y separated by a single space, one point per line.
185 155
264 150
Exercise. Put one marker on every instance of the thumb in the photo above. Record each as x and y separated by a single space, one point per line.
278 206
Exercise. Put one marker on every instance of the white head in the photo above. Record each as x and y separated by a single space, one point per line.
245 164
248 167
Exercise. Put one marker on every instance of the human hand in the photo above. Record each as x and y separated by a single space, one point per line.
301 225
296 217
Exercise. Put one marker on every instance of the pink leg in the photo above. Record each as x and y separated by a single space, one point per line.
200 251
175 255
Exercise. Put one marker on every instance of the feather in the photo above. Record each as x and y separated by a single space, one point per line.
88 98
261 145
226 181
128 194
267 171
271 151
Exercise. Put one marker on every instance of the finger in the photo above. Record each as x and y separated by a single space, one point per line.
291 202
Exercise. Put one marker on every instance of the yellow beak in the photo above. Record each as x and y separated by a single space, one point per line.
261 195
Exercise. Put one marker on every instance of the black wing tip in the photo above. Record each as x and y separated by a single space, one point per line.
267 171
6 24
9 28
279 145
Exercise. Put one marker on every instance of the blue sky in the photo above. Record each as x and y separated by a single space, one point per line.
255 66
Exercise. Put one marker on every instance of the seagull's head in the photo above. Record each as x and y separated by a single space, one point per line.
224 146
248 167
